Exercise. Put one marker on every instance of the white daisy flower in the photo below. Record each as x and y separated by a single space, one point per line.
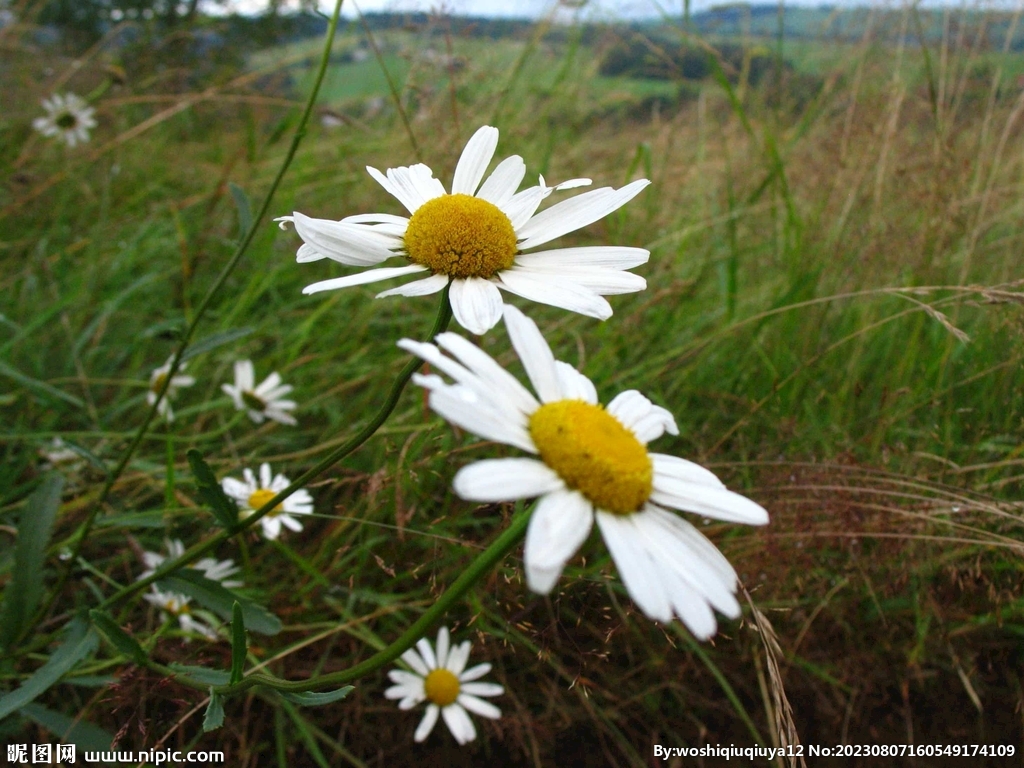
177 605
215 570
442 679
475 238
59 455
263 401
68 117
156 381
593 463
252 494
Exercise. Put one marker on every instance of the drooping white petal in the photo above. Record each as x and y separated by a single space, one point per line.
427 723
362 278
474 160
308 253
476 304
717 503
503 182
479 706
639 574
462 408
424 287
705 550
350 244
576 212
492 480
575 386
565 295
560 523
459 724
534 353
484 366
681 470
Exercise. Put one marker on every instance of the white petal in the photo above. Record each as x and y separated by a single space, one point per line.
474 673
604 282
361 278
699 544
351 244
271 527
457 658
647 420
534 353
476 304
443 644
458 406
502 184
576 212
596 257
561 522
406 679
479 706
406 185
377 218
474 161
308 253
482 689
269 383
245 374
266 476
427 723
424 287
236 489
422 178
505 480
415 661
638 572
423 646
458 723
543 290
523 205
681 470
492 374
575 386
717 503
657 422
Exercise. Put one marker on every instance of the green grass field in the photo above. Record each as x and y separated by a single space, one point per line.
832 314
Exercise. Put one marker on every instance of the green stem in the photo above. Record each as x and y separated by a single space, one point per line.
483 564
444 316
243 246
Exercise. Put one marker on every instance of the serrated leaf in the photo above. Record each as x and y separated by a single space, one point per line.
243 207
238 644
224 509
117 637
220 600
213 341
80 640
214 717
26 585
203 675
317 698
83 735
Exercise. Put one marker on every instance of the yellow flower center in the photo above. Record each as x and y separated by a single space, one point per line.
441 687
253 400
594 454
158 383
462 236
258 498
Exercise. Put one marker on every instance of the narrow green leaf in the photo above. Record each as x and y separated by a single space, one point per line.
213 341
203 675
238 644
117 637
25 588
83 735
39 387
79 642
224 508
220 600
316 698
214 717
243 207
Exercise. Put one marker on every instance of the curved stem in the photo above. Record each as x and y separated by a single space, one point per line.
487 560
444 316
243 246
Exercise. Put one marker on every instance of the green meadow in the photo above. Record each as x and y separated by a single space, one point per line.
833 315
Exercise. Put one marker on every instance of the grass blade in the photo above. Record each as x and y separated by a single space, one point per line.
221 600
238 644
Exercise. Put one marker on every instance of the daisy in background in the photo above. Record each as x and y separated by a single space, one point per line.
442 679
156 382
475 238
593 463
67 117
178 605
264 401
252 494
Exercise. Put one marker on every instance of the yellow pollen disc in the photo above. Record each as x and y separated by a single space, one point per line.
254 401
258 498
594 454
158 382
462 236
441 687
